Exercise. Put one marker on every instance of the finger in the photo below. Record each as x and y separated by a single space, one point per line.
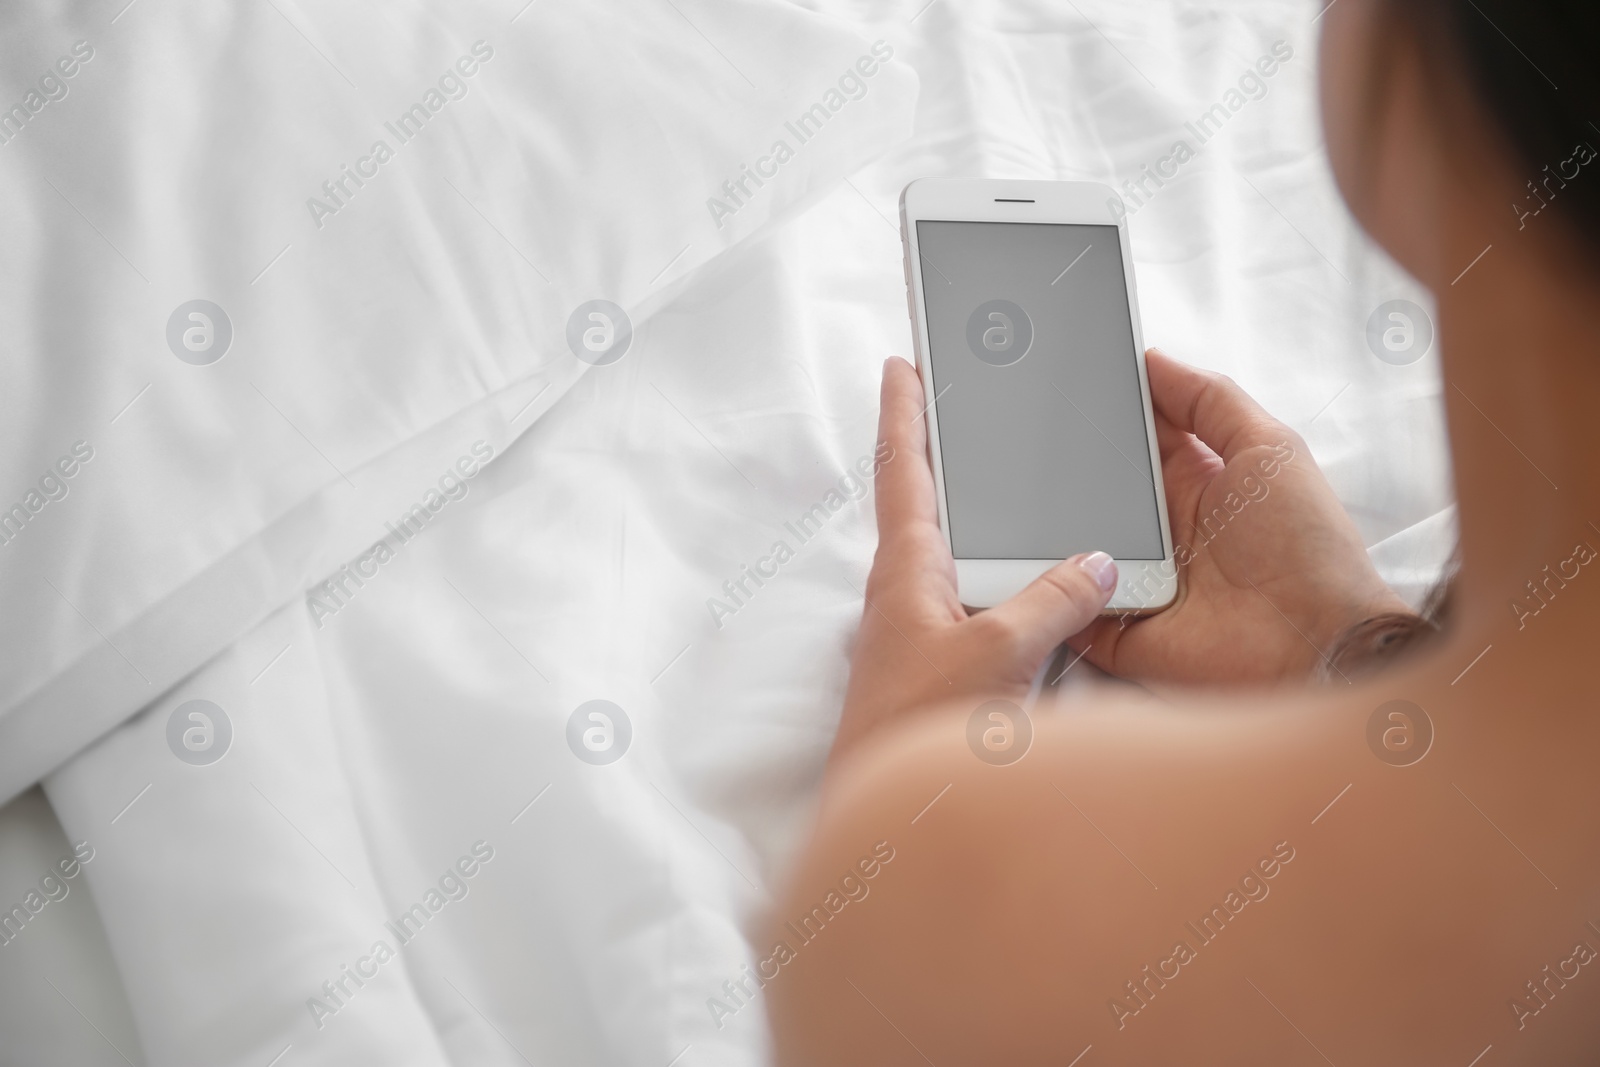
1098 641
1054 606
912 571
1210 406
903 482
1169 439
1187 464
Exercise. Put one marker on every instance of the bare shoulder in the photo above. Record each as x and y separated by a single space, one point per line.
1232 881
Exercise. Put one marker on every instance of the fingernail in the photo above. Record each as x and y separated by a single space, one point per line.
1102 568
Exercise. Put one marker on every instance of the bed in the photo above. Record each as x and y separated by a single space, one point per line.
513 790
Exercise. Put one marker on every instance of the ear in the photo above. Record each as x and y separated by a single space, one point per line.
1381 122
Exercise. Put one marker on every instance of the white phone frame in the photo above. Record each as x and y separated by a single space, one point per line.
1144 586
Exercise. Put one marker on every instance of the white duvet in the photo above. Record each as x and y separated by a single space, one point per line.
408 853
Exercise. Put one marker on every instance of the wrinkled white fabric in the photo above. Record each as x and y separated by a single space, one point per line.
519 161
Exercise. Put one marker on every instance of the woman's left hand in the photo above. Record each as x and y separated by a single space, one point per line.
917 646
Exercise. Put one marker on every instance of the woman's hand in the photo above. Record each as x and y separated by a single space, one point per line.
1272 569
917 646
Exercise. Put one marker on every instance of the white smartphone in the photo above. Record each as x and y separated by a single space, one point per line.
1040 430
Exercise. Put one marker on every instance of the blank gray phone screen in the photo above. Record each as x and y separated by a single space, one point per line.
1040 419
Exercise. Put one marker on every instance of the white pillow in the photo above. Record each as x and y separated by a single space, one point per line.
392 309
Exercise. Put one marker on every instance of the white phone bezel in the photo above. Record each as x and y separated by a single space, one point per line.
1144 586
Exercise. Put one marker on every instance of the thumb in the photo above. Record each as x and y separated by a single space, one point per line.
1057 604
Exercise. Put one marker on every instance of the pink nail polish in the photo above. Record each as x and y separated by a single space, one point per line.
1102 568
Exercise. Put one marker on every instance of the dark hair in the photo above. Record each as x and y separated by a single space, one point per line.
1531 65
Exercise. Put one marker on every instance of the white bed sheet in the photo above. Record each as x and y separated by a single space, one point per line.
370 348
427 714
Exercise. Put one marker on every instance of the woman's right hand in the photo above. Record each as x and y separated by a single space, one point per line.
1272 569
